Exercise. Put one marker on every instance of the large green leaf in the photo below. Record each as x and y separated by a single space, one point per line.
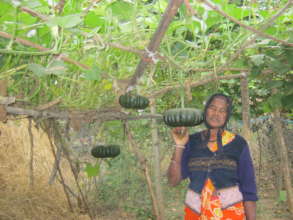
92 170
93 20
92 74
282 196
57 67
68 21
121 9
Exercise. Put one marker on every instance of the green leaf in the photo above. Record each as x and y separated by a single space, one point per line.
92 20
37 69
275 101
275 84
93 74
287 102
258 59
266 107
256 70
282 196
289 55
278 66
92 170
31 3
68 21
57 67
121 9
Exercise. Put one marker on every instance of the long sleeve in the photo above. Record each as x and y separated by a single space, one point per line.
184 161
246 176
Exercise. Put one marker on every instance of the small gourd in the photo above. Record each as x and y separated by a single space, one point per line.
183 117
105 151
133 101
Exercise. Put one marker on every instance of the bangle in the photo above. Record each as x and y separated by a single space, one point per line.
180 146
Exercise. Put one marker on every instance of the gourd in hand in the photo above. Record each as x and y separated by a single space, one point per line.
183 117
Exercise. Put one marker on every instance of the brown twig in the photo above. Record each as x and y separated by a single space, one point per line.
60 6
49 104
89 7
194 84
41 48
258 32
61 143
57 165
34 13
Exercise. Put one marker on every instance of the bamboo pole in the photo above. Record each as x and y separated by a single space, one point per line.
157 164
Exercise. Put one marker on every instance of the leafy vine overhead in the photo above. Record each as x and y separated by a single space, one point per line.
85 54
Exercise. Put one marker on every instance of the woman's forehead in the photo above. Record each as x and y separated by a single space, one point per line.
219 101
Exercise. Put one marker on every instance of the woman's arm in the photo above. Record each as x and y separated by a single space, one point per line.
181 137
174 170
250 210
247 183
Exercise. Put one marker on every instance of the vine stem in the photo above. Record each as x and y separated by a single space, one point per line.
31 53
258 32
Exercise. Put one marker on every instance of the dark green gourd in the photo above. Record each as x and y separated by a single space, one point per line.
183 117
133 101
105 151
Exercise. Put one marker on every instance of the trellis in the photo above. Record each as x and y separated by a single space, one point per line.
149 56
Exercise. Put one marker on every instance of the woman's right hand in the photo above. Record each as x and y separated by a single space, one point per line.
180 135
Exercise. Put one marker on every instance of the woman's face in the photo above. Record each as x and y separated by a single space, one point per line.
217 113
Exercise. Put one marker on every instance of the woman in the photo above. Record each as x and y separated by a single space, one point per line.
219 166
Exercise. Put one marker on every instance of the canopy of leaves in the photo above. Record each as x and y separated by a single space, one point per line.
85 32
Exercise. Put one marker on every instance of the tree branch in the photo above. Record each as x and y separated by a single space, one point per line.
93 115
157 38
194 84
258 32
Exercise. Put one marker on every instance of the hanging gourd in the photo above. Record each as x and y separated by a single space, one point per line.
133 101
183 117
105 151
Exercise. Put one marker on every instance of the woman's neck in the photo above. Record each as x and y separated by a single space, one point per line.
214 133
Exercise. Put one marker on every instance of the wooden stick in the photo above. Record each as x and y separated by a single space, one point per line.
145 169
157 38
157 164
49 104
245 104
